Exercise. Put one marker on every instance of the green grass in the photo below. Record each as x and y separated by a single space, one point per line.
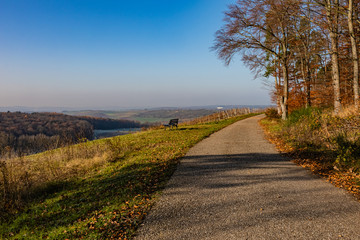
272 125
301 114
112 200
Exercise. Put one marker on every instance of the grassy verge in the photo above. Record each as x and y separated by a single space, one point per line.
98 190
326 144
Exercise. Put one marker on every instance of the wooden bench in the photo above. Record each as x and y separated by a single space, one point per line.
172 123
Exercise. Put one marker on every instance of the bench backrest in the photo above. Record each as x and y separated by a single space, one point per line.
174 122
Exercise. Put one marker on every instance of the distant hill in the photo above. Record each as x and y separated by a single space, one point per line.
120 109
147 116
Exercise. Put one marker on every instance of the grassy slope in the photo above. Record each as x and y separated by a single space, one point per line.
111 201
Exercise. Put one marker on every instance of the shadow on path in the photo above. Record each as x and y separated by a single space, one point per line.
246 195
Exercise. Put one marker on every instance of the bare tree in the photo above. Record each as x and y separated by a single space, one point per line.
253 27
332 15
305 46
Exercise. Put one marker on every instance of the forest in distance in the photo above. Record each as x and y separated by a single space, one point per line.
27 133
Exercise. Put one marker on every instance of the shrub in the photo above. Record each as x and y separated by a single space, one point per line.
116 149
302 113
347 152
272 113
319 131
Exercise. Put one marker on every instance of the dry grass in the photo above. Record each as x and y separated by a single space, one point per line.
21 176
320 131
348 111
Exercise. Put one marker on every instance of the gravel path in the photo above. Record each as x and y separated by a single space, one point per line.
234 185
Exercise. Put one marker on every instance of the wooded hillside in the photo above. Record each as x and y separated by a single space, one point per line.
36 132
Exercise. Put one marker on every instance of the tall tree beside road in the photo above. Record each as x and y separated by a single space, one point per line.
259 28
352 15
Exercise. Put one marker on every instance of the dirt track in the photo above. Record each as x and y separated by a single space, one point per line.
234 185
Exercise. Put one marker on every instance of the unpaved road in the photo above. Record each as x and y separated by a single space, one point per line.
234 185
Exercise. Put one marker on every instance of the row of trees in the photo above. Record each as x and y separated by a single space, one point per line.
310 47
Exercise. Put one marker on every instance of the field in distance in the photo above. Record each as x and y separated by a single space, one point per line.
146 116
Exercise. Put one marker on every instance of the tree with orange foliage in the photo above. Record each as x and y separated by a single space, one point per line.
303 44
259 28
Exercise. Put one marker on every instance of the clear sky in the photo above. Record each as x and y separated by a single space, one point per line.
118 53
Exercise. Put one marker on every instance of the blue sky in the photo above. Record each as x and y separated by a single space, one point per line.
117 53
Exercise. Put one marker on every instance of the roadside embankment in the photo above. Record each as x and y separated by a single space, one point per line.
327 144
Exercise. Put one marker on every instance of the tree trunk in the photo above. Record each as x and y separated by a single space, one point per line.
308 85
284 98
355 57
333 18
277 92
305 71
306 44
335 73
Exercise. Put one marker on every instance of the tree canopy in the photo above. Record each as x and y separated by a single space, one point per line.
310 48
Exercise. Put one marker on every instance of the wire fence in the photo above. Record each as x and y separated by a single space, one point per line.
224 114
